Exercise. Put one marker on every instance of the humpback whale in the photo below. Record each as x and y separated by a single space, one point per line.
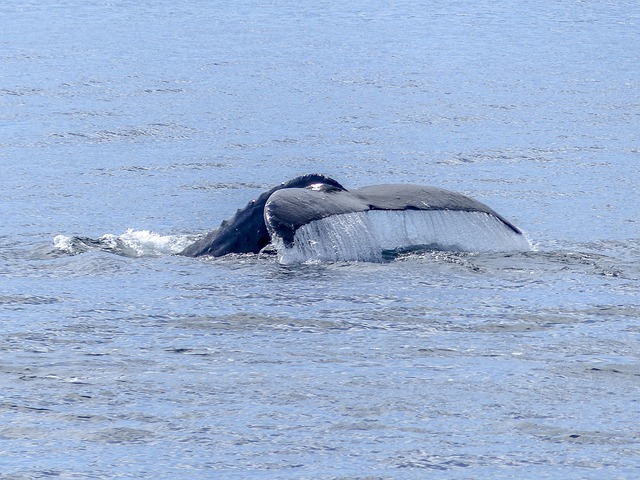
246 231
286 213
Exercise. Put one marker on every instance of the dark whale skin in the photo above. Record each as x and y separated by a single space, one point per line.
246 231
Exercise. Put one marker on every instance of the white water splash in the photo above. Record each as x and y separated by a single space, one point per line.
132 243
364 236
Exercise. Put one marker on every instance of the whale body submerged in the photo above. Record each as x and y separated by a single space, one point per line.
317 218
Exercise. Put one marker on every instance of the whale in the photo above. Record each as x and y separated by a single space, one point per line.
246 231
280 215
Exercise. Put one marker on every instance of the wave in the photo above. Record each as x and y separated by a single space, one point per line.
132 243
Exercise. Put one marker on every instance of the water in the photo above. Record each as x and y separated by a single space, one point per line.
367 236
142 122
130 244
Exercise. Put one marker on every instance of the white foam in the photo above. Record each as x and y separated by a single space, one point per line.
132 243
146 243
364 236
64 244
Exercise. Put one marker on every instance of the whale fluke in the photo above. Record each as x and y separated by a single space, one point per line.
280 215
287 210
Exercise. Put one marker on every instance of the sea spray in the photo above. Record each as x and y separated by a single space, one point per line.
132 243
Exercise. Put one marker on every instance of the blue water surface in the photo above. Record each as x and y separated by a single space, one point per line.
162 118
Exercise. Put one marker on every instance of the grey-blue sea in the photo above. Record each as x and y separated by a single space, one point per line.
166 116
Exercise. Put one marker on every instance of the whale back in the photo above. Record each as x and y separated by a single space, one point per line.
246 231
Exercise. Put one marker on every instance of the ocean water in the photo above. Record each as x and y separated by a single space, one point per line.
144 124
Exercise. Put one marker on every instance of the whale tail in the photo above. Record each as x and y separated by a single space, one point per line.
321 219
